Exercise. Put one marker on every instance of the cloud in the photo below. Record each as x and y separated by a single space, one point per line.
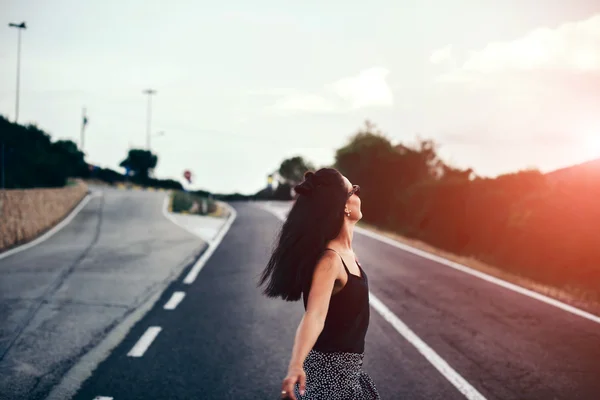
573 46
442 55
535 94
306 103
368 88
559 66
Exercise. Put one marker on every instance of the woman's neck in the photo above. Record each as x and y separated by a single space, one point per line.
343 241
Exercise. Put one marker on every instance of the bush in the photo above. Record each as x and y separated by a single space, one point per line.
185 202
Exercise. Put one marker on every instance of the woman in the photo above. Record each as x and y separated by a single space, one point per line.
314 258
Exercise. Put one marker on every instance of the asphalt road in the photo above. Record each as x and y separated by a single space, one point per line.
226 341
59 301
61 298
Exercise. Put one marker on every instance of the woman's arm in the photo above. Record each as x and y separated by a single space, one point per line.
313 321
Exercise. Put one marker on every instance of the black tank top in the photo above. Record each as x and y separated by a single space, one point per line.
347 317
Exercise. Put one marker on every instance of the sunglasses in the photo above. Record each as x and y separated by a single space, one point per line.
355 190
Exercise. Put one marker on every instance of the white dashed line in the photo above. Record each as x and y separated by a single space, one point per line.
438 362
102 398
174 300
145 341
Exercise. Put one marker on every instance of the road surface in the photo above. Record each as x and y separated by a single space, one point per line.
472 339
226 341
61 297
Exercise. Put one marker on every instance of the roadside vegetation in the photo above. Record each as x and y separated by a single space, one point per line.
32 160
537 230
190 203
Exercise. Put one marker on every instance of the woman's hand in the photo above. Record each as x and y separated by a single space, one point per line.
295 375
313 321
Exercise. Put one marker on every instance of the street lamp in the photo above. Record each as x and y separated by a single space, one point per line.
20 27
149 92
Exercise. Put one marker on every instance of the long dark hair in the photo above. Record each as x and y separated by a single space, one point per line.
316 218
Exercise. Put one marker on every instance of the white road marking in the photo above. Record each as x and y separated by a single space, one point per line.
85 367
430 355
102 398
484 276
438 362
144 342
52 231
71 382
174 300
463 268
212 246
170 217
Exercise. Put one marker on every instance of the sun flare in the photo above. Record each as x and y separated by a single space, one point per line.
591 145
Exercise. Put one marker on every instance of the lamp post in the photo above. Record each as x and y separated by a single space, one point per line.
20 27
84 122
149 92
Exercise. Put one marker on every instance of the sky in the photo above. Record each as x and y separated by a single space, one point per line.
499 85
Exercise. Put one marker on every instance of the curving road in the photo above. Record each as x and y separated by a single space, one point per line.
60 298
445 335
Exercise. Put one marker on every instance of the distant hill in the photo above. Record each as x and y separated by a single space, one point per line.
588 171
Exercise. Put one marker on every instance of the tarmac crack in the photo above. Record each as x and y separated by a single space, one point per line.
44 299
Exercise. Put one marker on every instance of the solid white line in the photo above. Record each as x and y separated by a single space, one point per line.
52 231
212 246
463 268
102 398
438 362
174 300
170 217
481 275
144 342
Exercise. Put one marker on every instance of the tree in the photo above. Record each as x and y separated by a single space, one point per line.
451 173
366 160
293 169
71 158
140 162
31 159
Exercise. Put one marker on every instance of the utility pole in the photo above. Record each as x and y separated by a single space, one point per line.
149 92
84 121
20 27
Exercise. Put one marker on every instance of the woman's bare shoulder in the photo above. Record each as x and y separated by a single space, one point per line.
328 263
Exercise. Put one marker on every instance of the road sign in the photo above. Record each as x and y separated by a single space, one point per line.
187 175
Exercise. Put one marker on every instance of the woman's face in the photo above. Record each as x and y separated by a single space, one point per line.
353 202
